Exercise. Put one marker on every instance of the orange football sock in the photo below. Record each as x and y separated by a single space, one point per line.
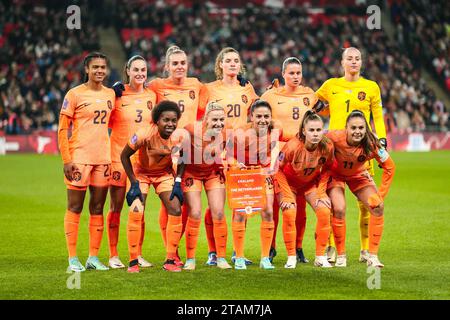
173 235
289 231
339 229
266 234
95 233
163 223
322 230
141 239
300 220
113 223
192 231
220 237
134 233
71 223
238 229
276 218
209 227
376 225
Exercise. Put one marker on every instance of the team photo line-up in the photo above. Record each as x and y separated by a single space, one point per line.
179 135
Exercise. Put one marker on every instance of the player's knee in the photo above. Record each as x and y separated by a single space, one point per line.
75 207
96 208
218 215
339 212
116 206
267 215
174 211
195 214
378 211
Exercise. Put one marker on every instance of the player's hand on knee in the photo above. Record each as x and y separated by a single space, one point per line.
286 205
176 191
325 201
134 192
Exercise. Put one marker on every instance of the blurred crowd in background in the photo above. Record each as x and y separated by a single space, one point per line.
40 59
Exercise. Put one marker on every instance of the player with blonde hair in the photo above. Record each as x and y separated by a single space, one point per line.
204 167
190 95
236 95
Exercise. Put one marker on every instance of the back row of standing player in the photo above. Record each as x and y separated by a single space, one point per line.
91 107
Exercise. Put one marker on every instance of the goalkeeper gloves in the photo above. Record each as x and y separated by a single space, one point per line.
118 88
383 142
176 191
242 81
134 192
319 106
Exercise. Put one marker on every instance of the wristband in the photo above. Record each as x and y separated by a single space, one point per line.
177 179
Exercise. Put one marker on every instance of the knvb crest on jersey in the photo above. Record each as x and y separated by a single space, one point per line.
244 98
149 105
116 175
362 158
189 182
362 95
109 105
192 94
306 102
322 160
76 176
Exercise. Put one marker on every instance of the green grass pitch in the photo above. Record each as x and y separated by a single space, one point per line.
414 248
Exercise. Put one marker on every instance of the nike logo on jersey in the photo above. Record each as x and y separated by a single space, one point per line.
124 105
333 92
85 104
166 94
281 102
217 100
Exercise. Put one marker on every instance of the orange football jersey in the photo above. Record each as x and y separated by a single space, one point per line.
236 101
301 166
205 153
133 111
89 111
191 97
153 155
289 108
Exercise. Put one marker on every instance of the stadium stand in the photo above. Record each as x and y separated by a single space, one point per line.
40 58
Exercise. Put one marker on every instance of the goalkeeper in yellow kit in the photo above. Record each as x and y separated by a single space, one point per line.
345 94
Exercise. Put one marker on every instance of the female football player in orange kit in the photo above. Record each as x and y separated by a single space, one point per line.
204 166
86 156
259 142
290 103
133 111
153 147
190 95
354 146
236 95
304 164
